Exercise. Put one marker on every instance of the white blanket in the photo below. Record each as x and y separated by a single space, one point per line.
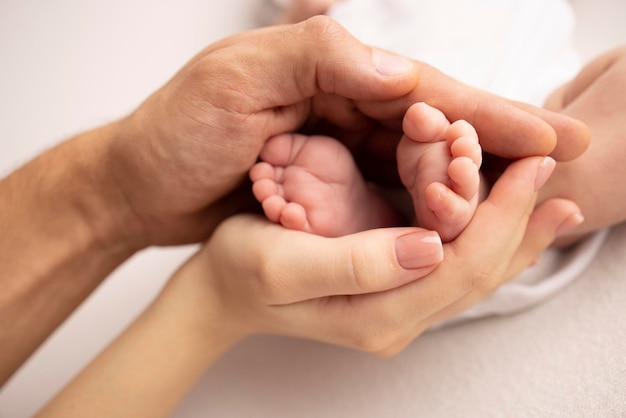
521 49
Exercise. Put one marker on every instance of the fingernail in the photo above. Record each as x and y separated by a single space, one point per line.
390 65
419 249
544 171
570 223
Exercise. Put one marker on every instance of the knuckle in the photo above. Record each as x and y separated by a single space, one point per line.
322 27
373 342
329 39
269 277
485 278
483 273
360 273
381 330
403 340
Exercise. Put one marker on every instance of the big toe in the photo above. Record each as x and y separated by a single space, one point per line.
424 123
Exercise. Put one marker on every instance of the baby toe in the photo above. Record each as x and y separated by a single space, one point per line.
464 177
423 123
293 216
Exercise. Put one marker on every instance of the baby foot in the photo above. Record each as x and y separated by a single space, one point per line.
438 163
311 184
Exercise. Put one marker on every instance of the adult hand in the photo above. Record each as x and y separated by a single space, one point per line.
373 291
164 174
192 142
596 96
367 290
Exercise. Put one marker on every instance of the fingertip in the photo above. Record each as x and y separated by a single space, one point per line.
391 65
345 66
569 223
419 250
563 137
518 182
544 171
551 219
574 137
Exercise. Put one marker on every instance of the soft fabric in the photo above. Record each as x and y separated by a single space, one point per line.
520 49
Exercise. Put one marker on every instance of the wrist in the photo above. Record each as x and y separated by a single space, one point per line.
107 215
198 318
69 193
153 364
63 233
67 200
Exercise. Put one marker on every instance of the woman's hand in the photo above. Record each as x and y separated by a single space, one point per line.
375 290
165 174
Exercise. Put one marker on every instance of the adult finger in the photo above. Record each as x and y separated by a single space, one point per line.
298 266
573 135
279 68
476 262
506 128
499 224
275 71
547 222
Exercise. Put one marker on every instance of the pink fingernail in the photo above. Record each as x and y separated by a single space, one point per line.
544 171
419 249
390 65
570 223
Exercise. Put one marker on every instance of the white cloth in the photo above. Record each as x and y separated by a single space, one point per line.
520 49
555 270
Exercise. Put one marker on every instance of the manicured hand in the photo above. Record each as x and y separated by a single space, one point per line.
375 290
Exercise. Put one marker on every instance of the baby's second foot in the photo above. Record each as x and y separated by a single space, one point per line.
311 184
439 164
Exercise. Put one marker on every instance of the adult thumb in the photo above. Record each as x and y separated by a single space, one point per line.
292 266
286 64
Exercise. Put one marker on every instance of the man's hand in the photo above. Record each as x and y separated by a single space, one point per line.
193 141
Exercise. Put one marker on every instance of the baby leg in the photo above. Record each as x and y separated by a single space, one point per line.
439 164
311 183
